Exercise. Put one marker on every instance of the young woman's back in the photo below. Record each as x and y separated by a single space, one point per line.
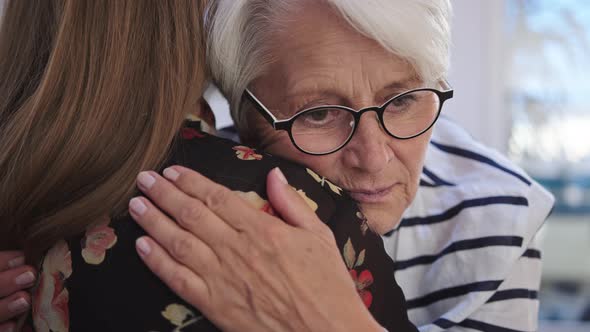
96 282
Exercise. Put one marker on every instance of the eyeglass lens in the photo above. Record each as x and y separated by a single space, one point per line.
326 129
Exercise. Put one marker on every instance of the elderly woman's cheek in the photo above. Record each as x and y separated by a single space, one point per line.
411 154
414 157
278 143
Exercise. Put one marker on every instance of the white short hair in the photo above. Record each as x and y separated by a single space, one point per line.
417 31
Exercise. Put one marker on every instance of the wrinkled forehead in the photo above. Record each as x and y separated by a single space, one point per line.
319 47
318 34
307 31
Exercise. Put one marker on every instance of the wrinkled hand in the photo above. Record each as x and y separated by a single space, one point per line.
15 278
244 269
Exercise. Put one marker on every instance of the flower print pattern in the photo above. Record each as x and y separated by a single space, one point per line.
364 222
180 316
322 181
193 117
190 133
363 280
263 205
50 297
205 117
96 242
313 205
246 153
256 201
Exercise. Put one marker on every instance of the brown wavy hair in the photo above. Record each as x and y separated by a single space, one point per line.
91 93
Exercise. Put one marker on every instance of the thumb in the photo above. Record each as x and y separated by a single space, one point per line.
288 204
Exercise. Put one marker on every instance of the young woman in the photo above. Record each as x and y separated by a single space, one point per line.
92 93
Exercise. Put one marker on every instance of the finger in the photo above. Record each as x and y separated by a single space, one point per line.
190 213
226 204
14 305
188 284
8 327
11 259
289 205
182 245
17 279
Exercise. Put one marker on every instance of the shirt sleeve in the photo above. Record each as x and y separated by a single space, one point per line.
466 251
515 305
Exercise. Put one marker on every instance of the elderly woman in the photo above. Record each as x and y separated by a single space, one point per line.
353 90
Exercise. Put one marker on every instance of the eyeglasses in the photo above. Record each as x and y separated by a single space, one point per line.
326 129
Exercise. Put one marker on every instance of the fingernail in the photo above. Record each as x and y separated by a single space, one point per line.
16 262
145 180
26 278
280 175
143 247
18 305
137 206
171 174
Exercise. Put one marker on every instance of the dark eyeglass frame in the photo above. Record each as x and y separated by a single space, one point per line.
287 124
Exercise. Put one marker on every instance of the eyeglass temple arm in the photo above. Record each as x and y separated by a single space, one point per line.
446 86
265 112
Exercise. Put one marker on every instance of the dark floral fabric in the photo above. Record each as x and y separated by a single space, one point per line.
97 282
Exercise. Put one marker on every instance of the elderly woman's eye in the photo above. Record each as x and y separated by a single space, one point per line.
403 101
318 115
405 104
321 117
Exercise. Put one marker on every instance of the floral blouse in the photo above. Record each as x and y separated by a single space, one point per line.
97 282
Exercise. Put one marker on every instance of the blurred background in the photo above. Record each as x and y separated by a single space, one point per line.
521 73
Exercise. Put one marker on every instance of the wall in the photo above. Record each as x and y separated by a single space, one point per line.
477 71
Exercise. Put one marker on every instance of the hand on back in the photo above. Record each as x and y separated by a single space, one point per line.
15 280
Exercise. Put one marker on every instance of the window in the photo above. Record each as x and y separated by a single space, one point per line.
548 93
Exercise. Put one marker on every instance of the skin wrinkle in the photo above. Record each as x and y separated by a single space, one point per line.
344 67
293 293
301 308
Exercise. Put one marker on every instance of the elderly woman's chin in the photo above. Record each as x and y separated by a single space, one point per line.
384 213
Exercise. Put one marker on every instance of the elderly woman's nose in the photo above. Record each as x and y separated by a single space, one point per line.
369 149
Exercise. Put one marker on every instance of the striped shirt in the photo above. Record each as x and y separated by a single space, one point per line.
465 250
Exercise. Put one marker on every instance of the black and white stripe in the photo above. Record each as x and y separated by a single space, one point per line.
466 204
430 179
446 324
465 253
480 158
476 243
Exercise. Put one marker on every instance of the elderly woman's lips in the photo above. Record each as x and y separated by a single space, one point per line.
371 196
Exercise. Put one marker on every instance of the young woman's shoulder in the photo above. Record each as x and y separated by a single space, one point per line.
97 282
